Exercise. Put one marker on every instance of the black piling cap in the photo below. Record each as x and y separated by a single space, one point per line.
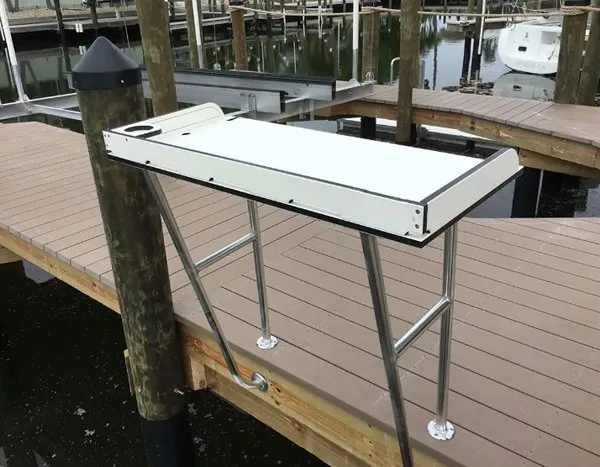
237 2
371 3
105 66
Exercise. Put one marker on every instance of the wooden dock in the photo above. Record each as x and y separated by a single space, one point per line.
558 137
525 378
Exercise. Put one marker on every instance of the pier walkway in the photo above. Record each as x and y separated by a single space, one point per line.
525 377
558 137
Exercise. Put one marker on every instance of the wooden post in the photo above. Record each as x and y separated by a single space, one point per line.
525 196
475 55
94 14
59 21
408 67
370 40
238 28
109 92
156 42
590 73
570 56
268 7
191 31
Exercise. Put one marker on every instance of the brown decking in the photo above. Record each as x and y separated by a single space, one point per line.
572 122
525 381
558 137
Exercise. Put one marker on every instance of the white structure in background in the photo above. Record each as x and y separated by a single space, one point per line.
532 46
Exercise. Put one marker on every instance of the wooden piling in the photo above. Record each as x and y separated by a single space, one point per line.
370 40
572 43
94 13
408 67
156 42
475 53
238 29
191 31
525 195
590 72
59 21
109 92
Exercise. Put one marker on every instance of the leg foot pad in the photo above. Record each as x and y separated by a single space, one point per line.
442 432
266 344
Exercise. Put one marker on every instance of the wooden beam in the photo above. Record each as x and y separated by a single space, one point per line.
60 269
330 433
315 424
536 160
7 256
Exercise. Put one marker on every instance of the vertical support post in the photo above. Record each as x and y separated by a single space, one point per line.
466 56
12 56
590 72
368 128
238 29
266 340
408 68
570 56
355 35
386 341
269 7
440 428
59 21
110 94
370 40
476 49
197 12
94 14
190 19
156 42
526 194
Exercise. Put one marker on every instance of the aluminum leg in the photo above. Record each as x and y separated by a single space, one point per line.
258 381
266 340
386 340
441 428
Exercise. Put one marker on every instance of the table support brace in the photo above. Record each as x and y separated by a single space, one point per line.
258 381
439 428
386 341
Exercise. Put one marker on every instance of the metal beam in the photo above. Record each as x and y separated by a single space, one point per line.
294 86
228 97
54 105
295 107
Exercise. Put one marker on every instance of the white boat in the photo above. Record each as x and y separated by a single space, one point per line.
531 46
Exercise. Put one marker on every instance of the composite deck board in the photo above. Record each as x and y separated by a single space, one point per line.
525 381
573 123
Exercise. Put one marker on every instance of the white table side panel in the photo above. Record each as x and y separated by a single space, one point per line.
397 171
467 192
333 201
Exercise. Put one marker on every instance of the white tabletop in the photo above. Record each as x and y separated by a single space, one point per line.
405 193
390 170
